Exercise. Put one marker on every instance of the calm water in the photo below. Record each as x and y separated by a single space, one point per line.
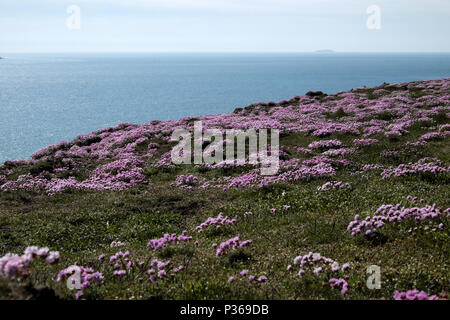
48 98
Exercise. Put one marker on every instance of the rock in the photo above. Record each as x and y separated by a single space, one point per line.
315 94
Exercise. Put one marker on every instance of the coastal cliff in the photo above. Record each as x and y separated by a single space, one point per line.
363 180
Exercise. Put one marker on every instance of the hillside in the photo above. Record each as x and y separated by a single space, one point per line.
364 180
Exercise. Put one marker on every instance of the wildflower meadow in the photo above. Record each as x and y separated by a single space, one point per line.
363 181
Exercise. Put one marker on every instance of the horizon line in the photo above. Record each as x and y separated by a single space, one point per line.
323 51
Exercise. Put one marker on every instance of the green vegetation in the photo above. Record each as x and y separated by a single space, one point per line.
82 224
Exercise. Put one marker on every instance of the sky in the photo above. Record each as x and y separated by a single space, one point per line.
224 25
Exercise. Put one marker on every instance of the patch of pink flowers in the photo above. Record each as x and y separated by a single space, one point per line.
158 244
364 142
413 294
334 185
186 181
434 135
393 214
117 175
318 264
218 222
13 266
325 144
339 152
231 244
86 277
116 244
316 259
304 150
160 271
425 165
339 284
244 274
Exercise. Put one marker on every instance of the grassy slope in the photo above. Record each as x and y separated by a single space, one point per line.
81 225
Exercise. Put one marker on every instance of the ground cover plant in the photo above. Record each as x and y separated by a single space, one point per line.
363 180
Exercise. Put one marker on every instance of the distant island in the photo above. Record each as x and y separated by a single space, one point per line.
325 51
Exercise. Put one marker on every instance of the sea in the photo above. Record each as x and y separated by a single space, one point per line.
47 98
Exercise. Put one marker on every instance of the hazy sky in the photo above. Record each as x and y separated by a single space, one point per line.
223 25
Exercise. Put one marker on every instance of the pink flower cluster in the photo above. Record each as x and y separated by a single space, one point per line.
116 244
233 244
334 185
304 150
165 161
434 135
339 284
158 244
13 265
86 277
218 222
327 129
364 142
319 264
413 294
120 260
117 175
339 152
325 144
392 214
186 181
368 167
314 258
425 165
372 130
122 264
298 172
160 271
244 274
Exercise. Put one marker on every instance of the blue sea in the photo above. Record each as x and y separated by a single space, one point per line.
46 98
